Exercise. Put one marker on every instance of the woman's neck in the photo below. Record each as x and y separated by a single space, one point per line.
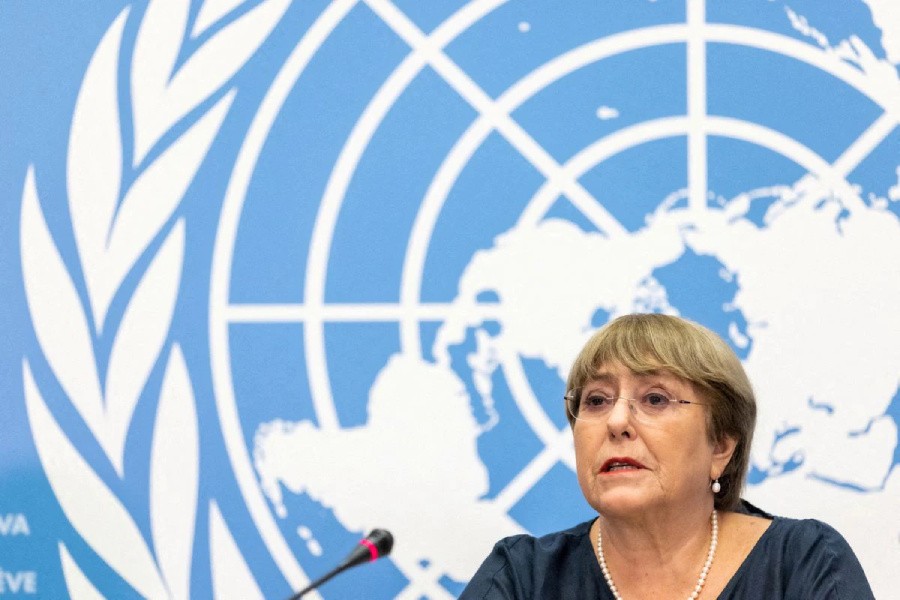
656 551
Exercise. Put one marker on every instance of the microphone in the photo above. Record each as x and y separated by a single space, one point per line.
372 547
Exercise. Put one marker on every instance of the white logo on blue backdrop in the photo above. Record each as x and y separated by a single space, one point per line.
428 210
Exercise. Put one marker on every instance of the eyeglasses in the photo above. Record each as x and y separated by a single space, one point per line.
650 408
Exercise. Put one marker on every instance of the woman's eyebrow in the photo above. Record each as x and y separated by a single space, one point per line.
649 377
601 378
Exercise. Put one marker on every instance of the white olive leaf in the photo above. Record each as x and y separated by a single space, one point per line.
111 237
155 195
161 97
156 50
211 12
174 476
220 58
140 338
77 584
231 577
89 505
94 163
57 313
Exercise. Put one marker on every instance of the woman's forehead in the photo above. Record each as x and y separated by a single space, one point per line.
612 373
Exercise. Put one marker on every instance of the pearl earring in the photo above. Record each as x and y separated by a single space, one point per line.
716 487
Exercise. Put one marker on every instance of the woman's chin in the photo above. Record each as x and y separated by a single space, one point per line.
624 502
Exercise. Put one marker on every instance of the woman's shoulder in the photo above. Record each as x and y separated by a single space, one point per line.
795 556
790 538
799 535
789 533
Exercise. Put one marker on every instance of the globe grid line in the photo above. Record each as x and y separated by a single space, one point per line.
747 131
864 144
788 147
531 408
558 445
220 282
861 147
502 121
527 477
351 312
697 159
598 151
587 53
325 221
762 39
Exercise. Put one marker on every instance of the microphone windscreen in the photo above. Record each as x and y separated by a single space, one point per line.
382 540
372 547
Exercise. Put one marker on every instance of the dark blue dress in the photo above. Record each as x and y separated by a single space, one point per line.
794 559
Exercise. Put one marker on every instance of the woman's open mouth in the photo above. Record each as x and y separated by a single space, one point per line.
619 464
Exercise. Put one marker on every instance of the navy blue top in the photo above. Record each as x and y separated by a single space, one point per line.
792 560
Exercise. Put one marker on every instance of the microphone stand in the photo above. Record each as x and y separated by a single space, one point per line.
377 544
320 581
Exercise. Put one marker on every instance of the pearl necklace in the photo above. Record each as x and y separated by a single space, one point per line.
703 573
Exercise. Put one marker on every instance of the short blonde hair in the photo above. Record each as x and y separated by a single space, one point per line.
655 342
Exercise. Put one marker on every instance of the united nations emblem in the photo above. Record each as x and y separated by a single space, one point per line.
426 212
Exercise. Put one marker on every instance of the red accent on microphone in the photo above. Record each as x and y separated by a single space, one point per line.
373 551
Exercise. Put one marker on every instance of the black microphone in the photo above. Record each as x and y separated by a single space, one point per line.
372 547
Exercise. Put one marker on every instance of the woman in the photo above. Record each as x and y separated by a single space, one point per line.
662 414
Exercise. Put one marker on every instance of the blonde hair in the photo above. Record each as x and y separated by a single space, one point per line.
654 342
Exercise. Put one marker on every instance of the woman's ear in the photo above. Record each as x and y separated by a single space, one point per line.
722 451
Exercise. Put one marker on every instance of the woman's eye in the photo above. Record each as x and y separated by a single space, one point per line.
596 401
656 400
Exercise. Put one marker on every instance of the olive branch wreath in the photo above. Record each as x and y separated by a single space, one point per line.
120 224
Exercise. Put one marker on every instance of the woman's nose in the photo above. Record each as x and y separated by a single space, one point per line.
619 420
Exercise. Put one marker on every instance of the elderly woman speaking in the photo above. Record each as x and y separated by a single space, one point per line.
663 415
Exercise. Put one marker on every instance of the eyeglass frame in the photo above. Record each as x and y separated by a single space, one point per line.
568 399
